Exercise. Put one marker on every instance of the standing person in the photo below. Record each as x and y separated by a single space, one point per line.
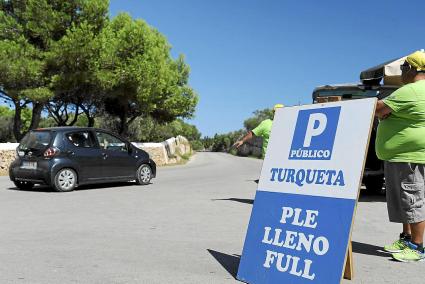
400 143
262 130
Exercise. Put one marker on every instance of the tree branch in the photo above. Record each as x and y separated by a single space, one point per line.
75 116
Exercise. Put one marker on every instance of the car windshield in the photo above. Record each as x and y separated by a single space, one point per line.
35 141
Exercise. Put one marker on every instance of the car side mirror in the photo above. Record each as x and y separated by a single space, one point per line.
130 148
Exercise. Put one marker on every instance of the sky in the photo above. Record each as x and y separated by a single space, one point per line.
247 55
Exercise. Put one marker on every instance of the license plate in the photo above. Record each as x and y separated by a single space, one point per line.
29 165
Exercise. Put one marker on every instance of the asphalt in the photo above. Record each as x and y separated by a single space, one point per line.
188 226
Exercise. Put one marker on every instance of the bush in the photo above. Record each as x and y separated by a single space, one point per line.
149 130
197 145
222 142
6 129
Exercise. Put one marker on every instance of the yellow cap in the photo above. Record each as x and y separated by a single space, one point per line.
417 60
276 106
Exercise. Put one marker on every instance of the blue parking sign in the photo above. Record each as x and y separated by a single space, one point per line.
314 134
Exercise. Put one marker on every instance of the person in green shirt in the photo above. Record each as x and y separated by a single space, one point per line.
262 130
400 142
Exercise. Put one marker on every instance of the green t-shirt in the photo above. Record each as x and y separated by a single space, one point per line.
401 136
263 130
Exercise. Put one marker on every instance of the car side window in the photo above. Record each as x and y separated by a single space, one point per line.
109 142
81 139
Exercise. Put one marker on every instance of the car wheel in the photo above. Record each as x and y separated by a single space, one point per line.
144 174
375 185
65 180
24 185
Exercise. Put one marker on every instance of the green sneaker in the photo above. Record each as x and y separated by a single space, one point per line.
409 255
397 246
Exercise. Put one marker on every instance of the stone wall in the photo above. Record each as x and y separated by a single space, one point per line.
156 152
6 157
166 153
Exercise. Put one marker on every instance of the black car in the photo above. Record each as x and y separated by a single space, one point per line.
373 175
66 157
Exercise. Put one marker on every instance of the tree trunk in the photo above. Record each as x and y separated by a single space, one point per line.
90 122
36 115
17 122
75 116
123 126
90 118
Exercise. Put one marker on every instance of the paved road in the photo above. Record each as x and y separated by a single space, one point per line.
186 227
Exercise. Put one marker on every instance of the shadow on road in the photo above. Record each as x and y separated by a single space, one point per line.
105 185
366 196
368 249
229 262
241 200
41 188
44 188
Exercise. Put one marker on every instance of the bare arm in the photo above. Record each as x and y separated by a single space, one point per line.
382 110
247 137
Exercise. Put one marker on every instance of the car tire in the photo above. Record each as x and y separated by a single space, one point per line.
375 185
143 174
24 185
65 180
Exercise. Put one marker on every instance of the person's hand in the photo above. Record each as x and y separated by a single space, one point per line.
238 144
385 116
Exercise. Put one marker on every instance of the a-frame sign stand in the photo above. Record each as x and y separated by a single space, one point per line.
287 240
349 267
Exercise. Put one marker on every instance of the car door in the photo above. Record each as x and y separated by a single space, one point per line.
118 163
83 150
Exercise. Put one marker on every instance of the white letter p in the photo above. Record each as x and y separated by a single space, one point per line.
311 131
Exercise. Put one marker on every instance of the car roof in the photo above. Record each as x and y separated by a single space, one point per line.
68 128
77 128
381 91
354 87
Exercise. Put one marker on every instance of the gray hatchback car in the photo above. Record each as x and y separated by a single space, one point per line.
66 157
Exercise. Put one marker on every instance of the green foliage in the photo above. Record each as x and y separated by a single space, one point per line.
186 156
259 116
26 118
6 124
45 21
150 130
69 58
29 33
222 142
72 63
5 112
197 145
6 129
47 122
139 76
37 94
208 143
20 67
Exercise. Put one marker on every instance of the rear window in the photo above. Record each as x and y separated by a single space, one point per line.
348 94
353 94
35 141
